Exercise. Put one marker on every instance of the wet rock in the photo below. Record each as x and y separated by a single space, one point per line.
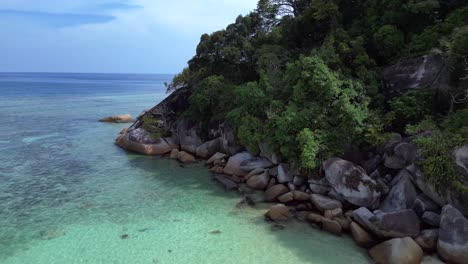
315 218
138 140
174 154
185 157
283 174
361 236
452 245
259 182
402 195
208 149
226 182
352 183
216 157
278 212
274 192
301 196
233 166
118 119
331 226
427 240
286 198
431 218
397 251
324 203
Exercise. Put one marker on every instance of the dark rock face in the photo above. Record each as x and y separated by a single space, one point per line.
320 187
208 149
255 163
284 176
431 218
184 132
401 155
452 245
352 183
417 73
421 182
404 223
402 195
266 152
461 158
427 240
423 204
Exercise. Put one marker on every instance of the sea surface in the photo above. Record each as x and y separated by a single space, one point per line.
69 195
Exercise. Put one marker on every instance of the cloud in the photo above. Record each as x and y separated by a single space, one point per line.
54 19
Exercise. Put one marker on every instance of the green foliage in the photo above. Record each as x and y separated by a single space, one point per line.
389 41
154 127
412 107
310 148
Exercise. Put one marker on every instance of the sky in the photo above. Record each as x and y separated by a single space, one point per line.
108 36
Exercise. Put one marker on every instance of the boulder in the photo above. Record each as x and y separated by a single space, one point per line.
185 133
301 196
118 119
361 236
389 225
320 187
283 174
299 180
371 164
331 226
208 149
452 245
427 240
397 251
255 163
216 157
174 154
402 195
266 152
422 203
226 182
286 198
434 259
352 183
324 203
274 192
461 158
428 189
402 155
259 182
427 71
185 157
279 212
331 214
315 218
138 140
431 218
233 166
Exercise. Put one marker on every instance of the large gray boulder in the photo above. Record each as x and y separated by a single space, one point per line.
397 251
324 203
352 183
422 203
320 186
233 166
427 240
259 181
184 132
452 245
400 156
427 188
461 158
139 140
274 192
255 163
389 225
208 149
427 71
402 195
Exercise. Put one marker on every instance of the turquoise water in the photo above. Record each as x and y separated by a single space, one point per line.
69 195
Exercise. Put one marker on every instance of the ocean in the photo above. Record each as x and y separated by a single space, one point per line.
69 195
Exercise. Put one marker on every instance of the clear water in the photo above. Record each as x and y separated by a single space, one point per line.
68 195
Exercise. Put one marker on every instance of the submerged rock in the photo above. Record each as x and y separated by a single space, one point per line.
226 182
118 119
279 212
52 234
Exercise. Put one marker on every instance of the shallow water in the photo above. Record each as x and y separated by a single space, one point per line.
69 195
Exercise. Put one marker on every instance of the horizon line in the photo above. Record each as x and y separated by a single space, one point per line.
53 72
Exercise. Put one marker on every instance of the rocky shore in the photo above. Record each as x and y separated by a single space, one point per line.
380 197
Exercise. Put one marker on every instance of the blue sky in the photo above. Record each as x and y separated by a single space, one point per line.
119 36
